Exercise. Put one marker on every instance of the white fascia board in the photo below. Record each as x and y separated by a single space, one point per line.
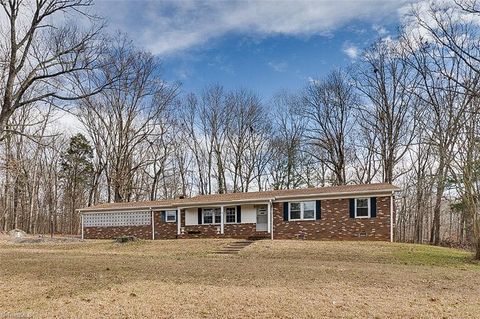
228 203
284 198
84 211
287 198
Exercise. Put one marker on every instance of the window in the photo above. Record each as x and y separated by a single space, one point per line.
208 216
218 217
309 210
295 211
212 216
171 216
302 211
231 215
362 208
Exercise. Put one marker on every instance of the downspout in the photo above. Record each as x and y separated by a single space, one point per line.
81 217
391 217
222 220
271 219
153 223
179 221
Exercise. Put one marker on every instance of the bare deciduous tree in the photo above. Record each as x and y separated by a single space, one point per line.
41 61
389 85
329 105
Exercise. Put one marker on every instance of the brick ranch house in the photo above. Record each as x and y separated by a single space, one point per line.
349 212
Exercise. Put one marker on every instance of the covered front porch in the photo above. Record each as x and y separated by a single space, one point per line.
236 220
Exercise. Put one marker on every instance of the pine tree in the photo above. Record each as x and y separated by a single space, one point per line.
76 174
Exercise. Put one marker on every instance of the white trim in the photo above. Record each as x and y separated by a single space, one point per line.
135 209
340 196
170 211
281 198
222 219
179 221
302 210
153 225
228 203
350 194
235 212
271 219
391 217
368 206
268 218
214 209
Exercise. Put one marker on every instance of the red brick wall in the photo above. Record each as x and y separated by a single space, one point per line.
230 230
142 232
164 230
335 223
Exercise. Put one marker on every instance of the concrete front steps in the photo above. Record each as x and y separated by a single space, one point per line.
234 248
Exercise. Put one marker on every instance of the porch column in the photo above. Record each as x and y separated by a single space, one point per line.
153 223
269 211
179 221
81 218
222 222
391 217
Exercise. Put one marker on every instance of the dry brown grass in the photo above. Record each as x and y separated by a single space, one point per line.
284 279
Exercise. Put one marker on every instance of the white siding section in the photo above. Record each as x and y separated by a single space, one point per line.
249 214
191 216
117 219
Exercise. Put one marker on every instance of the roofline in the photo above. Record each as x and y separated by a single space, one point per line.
338 194
287 197
280 198
206 204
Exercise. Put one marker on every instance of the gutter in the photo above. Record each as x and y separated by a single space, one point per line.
207 204
130 209
153 224
271 219
391 216
336 194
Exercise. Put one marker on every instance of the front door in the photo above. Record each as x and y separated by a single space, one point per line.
262 218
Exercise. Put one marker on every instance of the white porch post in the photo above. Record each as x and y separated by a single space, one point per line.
179 221
222 221
81 217
391 217
153 224
269 224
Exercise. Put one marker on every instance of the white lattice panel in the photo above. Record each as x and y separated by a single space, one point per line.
117 219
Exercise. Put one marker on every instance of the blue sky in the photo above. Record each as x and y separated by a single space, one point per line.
261 45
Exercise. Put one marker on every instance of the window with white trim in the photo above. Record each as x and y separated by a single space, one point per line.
362 208
211 216
230 215
302 211
171 216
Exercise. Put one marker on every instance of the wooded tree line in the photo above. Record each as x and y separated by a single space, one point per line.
405 112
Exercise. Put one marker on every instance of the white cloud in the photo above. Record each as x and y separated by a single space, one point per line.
380 30
169 26
351 50
278 66
430 13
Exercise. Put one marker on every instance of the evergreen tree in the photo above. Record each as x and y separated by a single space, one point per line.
76 174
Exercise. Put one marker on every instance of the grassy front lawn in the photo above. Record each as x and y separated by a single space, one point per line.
286 279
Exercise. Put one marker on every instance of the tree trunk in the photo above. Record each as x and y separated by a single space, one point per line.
477 249
435 235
